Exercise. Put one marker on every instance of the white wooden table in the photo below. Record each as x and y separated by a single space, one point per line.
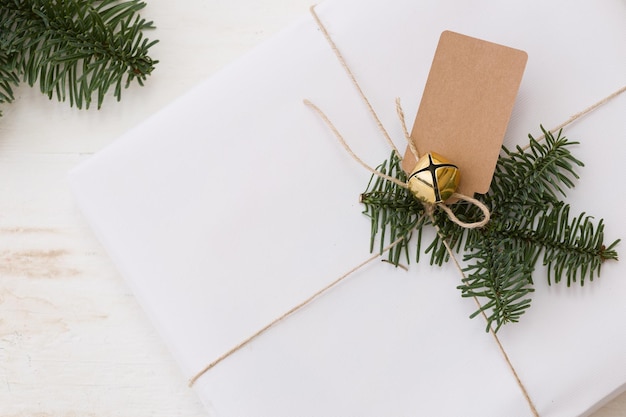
73 341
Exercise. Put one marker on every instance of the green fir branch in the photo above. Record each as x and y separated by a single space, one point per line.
76 49
527 220
501 277
573 248
393 211
8 77
535 175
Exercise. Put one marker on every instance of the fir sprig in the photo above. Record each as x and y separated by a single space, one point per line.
74 49
527 220
8 77
392 210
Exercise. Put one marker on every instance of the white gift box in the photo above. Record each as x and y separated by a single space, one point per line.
235 203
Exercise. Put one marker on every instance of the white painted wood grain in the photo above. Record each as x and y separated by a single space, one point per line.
73 341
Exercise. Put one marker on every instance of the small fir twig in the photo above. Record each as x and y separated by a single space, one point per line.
528 220
392 210
8 77
74 49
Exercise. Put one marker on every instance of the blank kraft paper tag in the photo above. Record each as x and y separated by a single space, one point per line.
466 106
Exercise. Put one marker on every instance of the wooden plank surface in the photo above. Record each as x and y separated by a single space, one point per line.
73 341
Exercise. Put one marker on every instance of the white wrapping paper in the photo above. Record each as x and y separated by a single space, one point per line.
235 203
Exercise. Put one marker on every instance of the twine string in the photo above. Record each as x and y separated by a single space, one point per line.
429 208
405 131
291 311
471 200
347 147
443 206
429 211
345 66
580 114
505 355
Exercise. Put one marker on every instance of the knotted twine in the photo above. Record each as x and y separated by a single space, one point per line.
429 211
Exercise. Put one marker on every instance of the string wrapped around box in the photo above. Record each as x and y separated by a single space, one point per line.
433 209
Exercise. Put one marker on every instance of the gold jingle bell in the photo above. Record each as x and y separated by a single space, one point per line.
434 179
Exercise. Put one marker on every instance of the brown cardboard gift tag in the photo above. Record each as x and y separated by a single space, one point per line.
466 106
